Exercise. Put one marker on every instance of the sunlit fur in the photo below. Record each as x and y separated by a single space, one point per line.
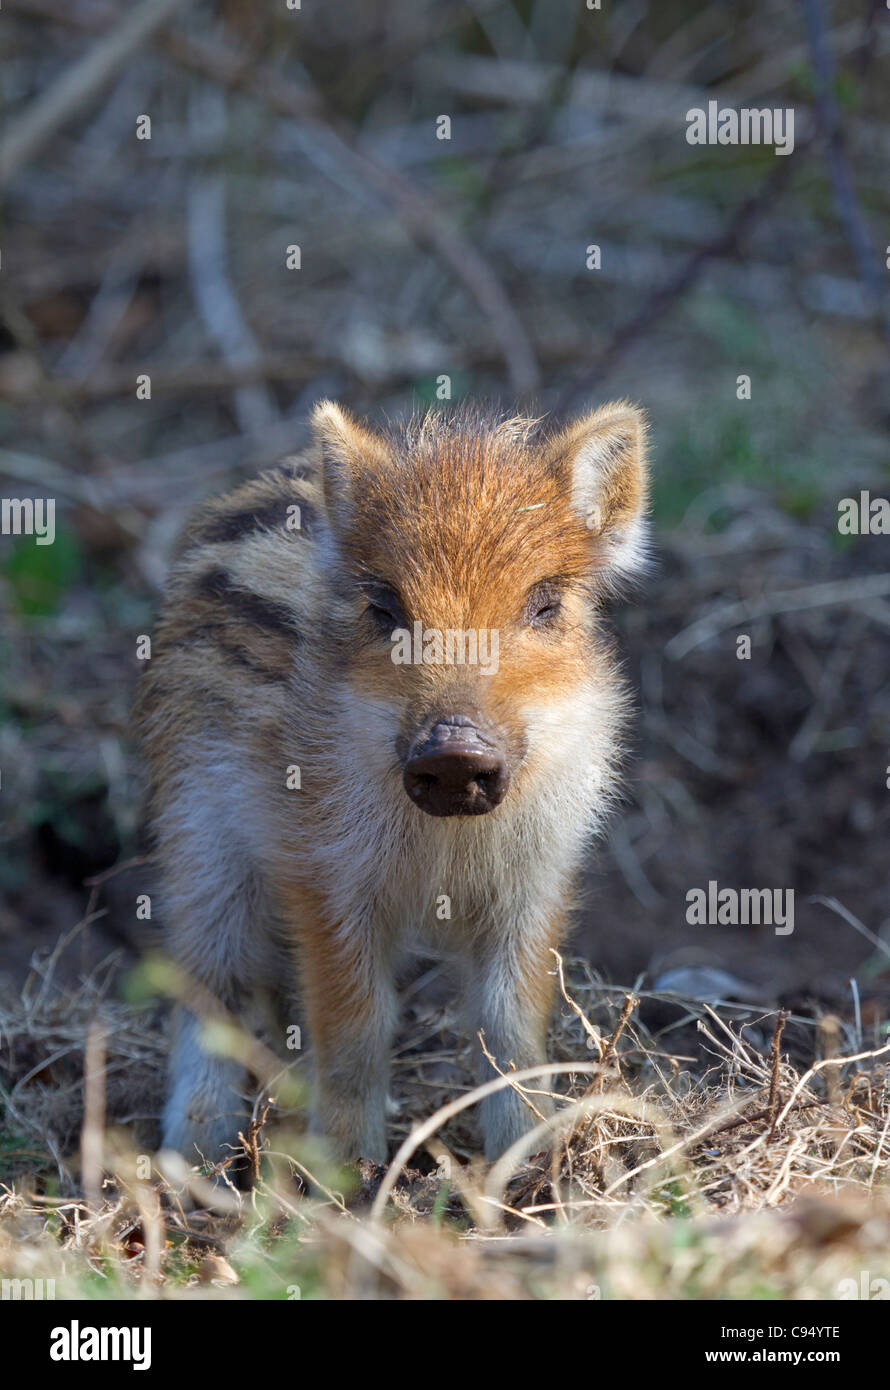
266 658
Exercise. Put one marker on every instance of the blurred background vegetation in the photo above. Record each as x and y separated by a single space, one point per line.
273 128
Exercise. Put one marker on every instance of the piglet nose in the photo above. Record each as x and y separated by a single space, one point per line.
455 773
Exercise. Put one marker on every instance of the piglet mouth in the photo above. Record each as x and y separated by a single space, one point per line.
456 770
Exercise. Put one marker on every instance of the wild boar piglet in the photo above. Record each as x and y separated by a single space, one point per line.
383 712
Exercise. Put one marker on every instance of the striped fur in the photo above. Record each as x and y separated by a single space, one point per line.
267 657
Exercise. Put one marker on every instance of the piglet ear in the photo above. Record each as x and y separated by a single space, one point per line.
602 459
348 448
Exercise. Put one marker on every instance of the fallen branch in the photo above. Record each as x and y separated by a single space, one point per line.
726 615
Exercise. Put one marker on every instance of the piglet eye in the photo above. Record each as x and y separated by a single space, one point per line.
384 617
384 608
543 605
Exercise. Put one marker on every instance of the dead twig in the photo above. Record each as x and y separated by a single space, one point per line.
776 1062
630 1003
251 1141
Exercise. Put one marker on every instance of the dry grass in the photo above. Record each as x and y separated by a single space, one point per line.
739 1169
